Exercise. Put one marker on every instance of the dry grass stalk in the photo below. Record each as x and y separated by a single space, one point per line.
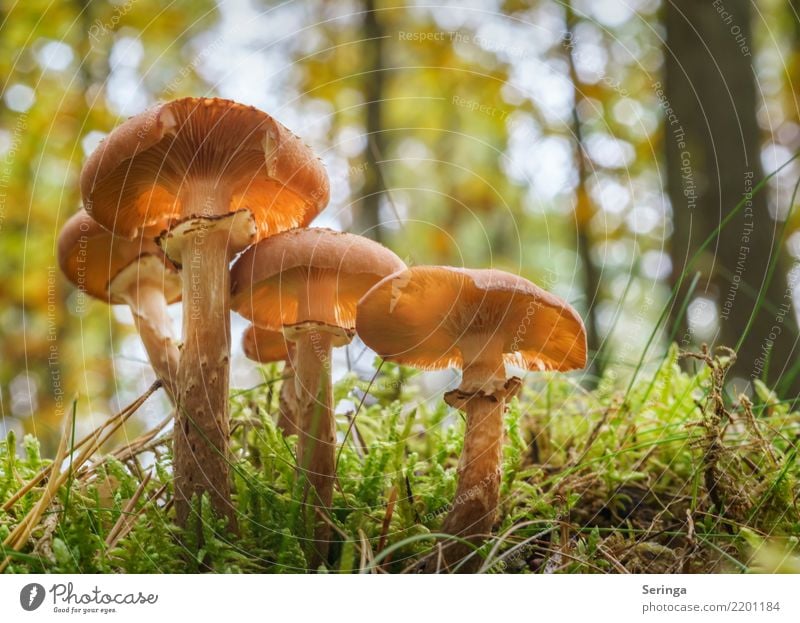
116 421
20 535
127 518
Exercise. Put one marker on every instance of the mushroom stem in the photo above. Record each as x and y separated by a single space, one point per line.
478 490
482 397
203 428
287 401
317 428
149 308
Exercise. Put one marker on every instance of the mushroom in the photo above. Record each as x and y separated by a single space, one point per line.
267 346
306 283
432 317
126 272
213 176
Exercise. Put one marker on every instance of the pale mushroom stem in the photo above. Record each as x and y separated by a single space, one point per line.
149 308
287 401
478 490
203 427
482 397
317 429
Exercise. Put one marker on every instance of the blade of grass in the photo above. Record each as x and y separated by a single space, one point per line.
677 287
773 262
414 539
115 421
71 452
675 328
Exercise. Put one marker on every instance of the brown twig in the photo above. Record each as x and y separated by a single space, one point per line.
126 513
387 520
115 421
20 535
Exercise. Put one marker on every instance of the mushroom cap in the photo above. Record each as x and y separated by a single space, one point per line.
272 278
132 182
238 226
91 258
424 317
266 345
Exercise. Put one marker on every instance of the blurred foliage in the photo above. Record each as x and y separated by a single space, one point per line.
70 71
477 155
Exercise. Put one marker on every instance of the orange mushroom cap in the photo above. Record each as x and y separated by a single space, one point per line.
308 275
427 316
92 258
266 345
133 181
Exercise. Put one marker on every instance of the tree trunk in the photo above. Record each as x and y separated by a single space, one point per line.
367 217
583 212
713 160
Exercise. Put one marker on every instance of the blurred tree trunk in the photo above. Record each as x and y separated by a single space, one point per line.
794 16
583 208
367 216
713 160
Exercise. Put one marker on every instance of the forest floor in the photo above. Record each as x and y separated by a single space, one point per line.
665 476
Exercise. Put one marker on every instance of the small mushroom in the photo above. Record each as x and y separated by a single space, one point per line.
126 272
306 283
267 346
434 317
213 176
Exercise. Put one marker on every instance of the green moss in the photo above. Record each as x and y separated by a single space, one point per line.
599 482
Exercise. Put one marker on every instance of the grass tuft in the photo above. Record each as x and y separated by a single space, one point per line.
664 475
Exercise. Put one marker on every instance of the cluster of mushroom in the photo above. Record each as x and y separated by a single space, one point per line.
173 195
433 317
184 187
300 288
